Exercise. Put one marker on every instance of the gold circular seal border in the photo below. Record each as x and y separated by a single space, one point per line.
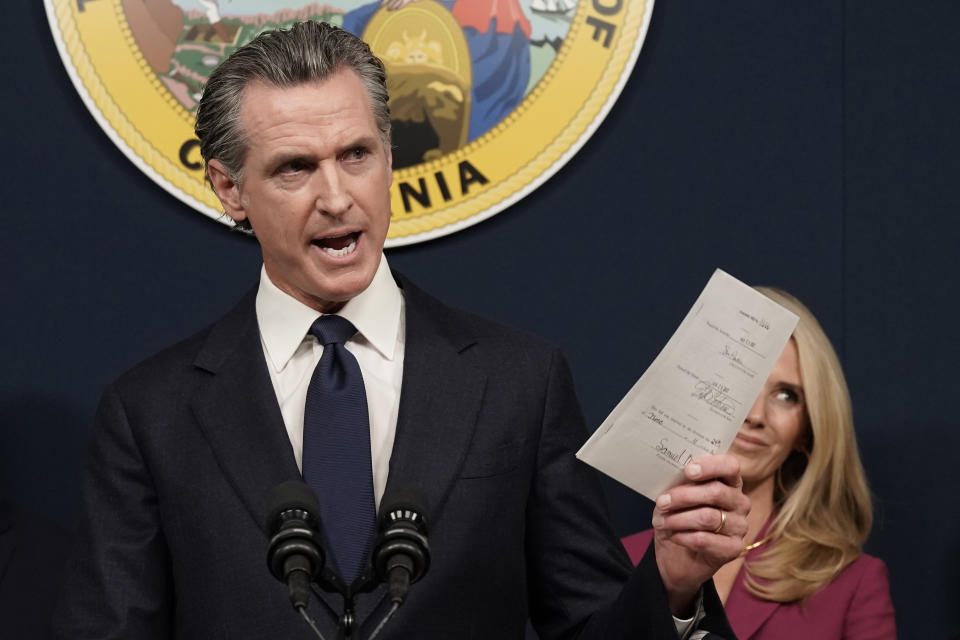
514 158
74 45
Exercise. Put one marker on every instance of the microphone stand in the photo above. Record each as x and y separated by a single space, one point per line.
364 583
347 621
393 609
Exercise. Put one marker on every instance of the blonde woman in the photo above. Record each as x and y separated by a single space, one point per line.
804 574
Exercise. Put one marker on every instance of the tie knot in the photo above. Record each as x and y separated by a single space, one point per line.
332 329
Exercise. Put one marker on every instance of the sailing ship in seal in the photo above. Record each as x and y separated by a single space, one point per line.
552 6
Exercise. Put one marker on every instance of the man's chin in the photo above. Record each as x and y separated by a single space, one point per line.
338 291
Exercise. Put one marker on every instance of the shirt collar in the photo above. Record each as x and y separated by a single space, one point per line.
284 321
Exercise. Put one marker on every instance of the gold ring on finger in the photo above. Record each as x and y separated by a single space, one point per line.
723 520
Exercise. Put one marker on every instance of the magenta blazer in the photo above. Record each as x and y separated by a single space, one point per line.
855 606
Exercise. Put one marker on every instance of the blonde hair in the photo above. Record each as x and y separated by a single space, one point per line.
824 507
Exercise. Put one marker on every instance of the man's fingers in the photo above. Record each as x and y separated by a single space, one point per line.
725 468
706 515
712 494
712 481
711 502
712 520
723 547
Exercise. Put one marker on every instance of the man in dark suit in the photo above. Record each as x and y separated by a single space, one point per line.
294 129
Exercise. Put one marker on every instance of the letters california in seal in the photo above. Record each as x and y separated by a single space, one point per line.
488 98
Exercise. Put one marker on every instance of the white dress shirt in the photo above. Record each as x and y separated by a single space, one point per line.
292 355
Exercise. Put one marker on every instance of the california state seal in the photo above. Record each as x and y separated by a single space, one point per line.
488 98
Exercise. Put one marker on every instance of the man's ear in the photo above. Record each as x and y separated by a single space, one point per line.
227 190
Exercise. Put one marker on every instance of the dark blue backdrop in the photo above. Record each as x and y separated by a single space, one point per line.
810 145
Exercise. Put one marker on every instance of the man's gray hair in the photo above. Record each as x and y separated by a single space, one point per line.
308 51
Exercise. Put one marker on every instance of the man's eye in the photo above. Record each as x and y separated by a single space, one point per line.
293 166
355 155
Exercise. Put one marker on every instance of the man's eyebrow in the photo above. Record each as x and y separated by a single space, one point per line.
283 157
365 141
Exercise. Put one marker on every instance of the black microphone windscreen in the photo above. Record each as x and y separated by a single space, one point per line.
408 500
289 495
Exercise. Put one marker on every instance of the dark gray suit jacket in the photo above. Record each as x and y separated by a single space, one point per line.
188 444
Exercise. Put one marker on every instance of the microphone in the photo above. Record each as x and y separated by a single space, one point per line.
296 554
401 554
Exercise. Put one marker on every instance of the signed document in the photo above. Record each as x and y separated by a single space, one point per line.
693 398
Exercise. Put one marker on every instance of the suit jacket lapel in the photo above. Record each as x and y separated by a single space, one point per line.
746 612
238 413
439 401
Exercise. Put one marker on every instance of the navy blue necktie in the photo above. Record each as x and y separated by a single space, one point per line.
336 447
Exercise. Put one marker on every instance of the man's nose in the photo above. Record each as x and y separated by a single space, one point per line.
332 197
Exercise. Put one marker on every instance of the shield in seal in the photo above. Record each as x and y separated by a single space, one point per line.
489 98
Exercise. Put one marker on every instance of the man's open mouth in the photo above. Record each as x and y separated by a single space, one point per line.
338 245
